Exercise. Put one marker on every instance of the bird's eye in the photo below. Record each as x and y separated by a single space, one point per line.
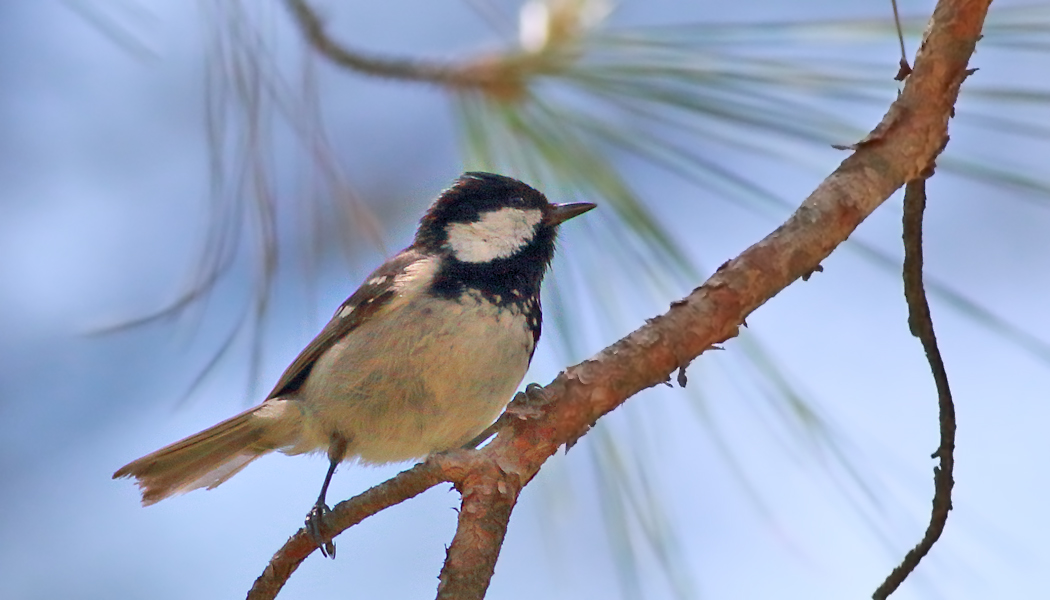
517 201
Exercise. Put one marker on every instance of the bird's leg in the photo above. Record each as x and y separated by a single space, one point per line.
523 406
315 527
535 396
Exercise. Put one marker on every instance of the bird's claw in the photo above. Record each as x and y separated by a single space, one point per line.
525 405
536 395
315 528
528 404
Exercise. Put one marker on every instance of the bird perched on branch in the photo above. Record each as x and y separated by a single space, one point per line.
420 359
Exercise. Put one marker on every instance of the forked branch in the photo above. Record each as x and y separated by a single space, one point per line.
912 133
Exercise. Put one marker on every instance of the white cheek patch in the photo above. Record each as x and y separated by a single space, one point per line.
497 234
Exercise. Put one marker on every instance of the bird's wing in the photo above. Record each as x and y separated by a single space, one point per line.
369 299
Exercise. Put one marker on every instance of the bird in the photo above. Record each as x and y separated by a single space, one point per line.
420 359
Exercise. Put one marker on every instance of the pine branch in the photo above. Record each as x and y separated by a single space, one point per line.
911 135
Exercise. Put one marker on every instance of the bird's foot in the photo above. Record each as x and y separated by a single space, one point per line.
534 395
528 404
315 528
525 405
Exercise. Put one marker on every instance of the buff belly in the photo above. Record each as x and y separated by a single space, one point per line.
430 380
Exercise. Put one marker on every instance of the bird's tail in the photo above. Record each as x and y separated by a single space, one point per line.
212 456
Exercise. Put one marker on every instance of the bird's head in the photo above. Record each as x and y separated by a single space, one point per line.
491 220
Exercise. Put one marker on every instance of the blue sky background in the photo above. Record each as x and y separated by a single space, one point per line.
103 198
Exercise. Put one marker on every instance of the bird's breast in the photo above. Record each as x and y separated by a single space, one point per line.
426 375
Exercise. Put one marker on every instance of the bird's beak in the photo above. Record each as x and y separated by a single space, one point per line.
564 212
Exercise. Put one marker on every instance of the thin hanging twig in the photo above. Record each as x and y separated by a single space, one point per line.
921 325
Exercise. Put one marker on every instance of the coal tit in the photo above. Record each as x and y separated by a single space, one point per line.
420 359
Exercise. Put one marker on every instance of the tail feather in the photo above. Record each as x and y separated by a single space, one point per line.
212 456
